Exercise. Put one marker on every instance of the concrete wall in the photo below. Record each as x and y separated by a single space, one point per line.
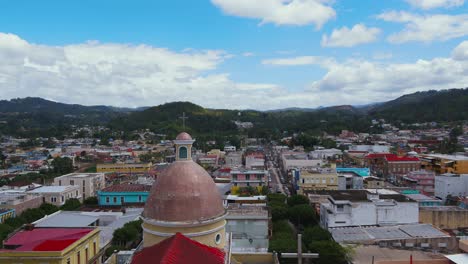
455 218
369 213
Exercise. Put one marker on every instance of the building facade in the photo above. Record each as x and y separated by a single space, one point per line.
442 164
250 226
51 245
317 179
123 194
244 178
58 195
90 183
451 184
362 207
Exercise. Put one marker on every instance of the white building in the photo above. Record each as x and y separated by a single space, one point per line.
367 208
89 183
325 153
450 184
298 160
233 159
58 195
371 148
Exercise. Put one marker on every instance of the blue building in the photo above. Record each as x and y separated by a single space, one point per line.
6 213
124 194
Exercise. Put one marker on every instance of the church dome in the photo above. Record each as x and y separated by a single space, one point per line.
183 136
184 192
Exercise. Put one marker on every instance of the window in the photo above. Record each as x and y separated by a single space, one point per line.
78 259
60 184
72 182
94 248
139 198
115 200
107 199
247 177
218 239
53 199
183 153
63 198
68 261
339 207
122 200
86 255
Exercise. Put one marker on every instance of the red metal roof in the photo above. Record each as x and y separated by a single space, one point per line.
179 249
400 159
128 188
45 239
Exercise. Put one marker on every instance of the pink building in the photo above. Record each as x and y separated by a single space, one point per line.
421 180
243 178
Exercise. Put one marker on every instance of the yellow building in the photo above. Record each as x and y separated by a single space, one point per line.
317 179
124 168
52 246
440 163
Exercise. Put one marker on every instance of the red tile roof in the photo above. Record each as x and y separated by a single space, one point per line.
128 188
179 249
45 239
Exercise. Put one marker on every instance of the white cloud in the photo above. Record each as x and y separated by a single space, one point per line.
280 12
430 4
140 75
358 81
122 75
248 54
382 55
294 61
461 51
345 37
426 28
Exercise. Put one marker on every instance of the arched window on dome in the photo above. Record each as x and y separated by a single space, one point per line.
183 153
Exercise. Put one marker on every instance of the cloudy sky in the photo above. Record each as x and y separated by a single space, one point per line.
237 54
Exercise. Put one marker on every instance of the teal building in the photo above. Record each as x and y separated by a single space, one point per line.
123 194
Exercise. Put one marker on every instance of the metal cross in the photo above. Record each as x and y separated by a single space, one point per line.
183 117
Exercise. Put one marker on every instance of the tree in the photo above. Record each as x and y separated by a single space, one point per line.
279 213
47 208
90 201
31 215
315 233
71 204
15 222
297 200
302 214
62 165
330 252
2 160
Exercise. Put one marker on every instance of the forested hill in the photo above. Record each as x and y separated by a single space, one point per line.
36 116
444 105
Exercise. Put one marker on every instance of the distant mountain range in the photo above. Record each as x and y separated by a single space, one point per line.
38 115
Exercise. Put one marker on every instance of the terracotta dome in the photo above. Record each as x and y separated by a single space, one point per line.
184 136
184 192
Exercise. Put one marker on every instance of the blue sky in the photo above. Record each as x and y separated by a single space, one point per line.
263 54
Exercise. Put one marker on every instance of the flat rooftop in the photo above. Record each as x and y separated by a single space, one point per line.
243 211
445 156
53 189
364 254
377 233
